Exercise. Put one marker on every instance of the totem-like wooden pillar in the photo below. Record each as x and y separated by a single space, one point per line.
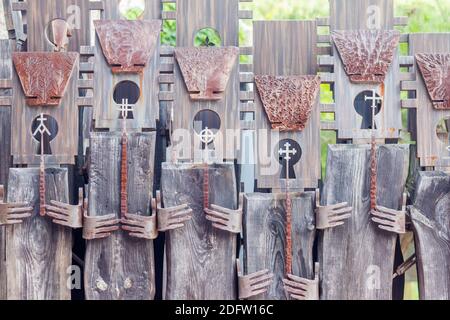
280 63
429 62
125 105
357 258
200 259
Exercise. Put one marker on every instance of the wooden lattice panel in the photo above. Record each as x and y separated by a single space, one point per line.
287 48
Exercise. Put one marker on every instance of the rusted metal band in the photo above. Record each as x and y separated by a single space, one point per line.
124 177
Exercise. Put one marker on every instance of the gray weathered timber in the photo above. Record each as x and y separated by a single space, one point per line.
5 148
287 48
430 219
5 111
357 259
200 260
120 267
265 237
75 12
192 16
354 15
38 252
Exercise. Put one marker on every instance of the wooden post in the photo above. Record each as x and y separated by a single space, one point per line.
120 267
38 252
5 146
265 236
357 259
430 219
200 260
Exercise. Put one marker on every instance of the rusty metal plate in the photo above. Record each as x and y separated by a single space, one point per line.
44 75
206 70
435 70
128 45
366 54
288 100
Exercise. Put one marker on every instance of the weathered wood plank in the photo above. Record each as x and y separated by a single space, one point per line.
120 267
357 259
265 237
200 262
430 220
38 252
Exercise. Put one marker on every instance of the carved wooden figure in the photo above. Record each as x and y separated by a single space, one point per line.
279 227
121 219
430 62
364 59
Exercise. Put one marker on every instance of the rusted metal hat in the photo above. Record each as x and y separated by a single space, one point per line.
435 70
366 54
288 100
206 70
128 45
44 75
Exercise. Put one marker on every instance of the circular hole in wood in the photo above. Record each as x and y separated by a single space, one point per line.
288 153
206 124
58 33
132 9
44 129
363 106
127 90
442 131
207 37
127 94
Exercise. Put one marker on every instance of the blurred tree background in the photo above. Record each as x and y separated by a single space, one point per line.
424 16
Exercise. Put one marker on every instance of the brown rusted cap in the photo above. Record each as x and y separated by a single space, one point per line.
366 54
288 100
128 45
435 70
44 75
206 70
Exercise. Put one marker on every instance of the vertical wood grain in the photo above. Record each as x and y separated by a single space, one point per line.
200 260
38 252
265 236
431 225
120 267
357 259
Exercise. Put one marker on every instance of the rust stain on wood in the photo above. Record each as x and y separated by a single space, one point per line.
206 70
128 45
288 100
44 76
124 177
435 70
366 54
